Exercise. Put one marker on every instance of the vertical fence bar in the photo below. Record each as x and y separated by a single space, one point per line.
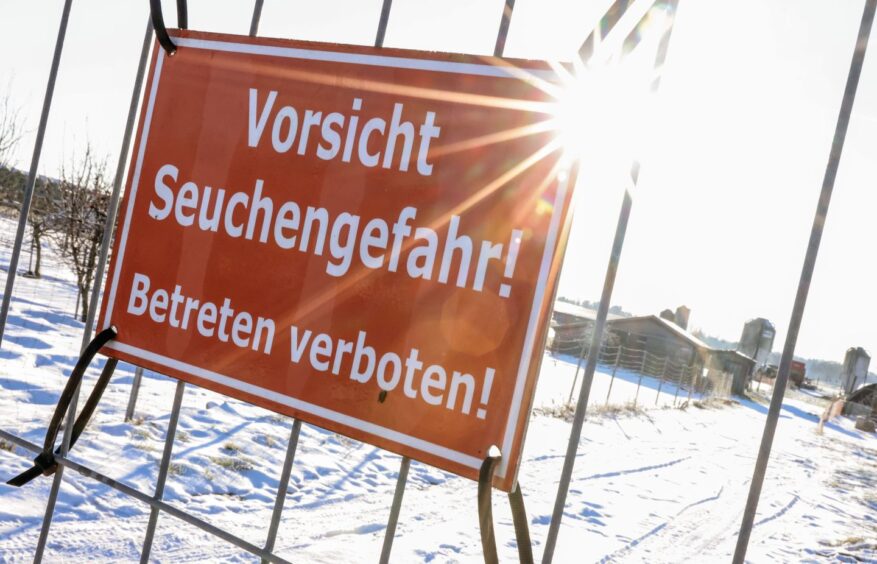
292 446
257 17
113 209
383 22
163 469
691 369
135 390
678 383
504 24
661 381
395 509
612 16
34 165
100 267
782 377
19 238
588 378
639 382
614 369
283 486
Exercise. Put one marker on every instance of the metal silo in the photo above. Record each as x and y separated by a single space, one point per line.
756 342
855 370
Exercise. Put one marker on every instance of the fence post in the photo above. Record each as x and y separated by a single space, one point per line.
163 470
677 384
693 381
782 377
383 22
661 384
584 351
32 174
112 209
283 486
135 390
395 509
614 368
19 239
606 24
639 382
257 16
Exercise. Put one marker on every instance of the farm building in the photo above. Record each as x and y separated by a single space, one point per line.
571 326
862 402
660 337
657 335
734 363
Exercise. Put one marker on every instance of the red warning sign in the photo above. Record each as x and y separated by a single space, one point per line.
367 239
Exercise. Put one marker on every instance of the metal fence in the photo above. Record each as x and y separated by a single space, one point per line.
680 376
682 380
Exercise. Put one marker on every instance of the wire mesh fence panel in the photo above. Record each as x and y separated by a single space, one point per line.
624 374
227 458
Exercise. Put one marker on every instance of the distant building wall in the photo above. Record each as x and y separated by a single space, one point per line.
649 334
735 364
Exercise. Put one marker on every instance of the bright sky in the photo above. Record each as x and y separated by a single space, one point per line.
722 214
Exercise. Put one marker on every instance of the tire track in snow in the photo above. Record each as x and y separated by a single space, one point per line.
635 470
779 513
657 529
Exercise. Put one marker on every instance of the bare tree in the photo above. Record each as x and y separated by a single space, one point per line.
11 183
46 215
44 205
78 227
10 129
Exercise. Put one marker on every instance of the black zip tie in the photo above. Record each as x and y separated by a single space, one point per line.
485 514
45 462
158 23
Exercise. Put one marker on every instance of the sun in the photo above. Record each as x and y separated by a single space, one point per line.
602 112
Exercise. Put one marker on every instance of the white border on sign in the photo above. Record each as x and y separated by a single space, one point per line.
371 428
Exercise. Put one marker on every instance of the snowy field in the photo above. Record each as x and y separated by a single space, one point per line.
661 485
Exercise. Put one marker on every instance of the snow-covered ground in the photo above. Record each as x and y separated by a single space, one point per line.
665 484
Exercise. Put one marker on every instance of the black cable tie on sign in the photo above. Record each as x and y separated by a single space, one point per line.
158 23
45 463
485 513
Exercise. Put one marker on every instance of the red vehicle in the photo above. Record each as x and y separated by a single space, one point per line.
797 372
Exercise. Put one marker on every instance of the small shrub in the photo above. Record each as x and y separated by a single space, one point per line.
566 411
266 440
616 410
231 448
141 434
235 464
713 403
177 469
